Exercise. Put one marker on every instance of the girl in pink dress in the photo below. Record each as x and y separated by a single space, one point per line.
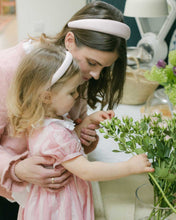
44 89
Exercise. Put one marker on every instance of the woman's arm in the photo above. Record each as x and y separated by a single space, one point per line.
100 171
32 170
87 135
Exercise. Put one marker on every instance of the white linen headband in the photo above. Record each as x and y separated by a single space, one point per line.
63 68
108 26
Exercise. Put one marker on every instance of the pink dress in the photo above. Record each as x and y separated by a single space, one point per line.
75 201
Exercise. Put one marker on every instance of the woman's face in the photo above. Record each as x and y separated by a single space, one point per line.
90 61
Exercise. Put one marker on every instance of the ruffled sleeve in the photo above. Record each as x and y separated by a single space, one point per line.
63 144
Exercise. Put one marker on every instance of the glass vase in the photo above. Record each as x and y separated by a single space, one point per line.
144 209
159 102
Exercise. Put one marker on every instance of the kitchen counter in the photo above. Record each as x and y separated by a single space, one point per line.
115 200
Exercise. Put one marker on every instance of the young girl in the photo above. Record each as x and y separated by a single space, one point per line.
44 90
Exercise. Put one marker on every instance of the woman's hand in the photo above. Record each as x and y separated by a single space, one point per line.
88 134
32 170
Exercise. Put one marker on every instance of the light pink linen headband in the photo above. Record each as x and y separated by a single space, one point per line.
107 26
62 69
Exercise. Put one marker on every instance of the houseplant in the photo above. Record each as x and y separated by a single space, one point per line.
156 137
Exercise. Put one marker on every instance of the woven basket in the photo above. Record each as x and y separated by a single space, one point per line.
137 88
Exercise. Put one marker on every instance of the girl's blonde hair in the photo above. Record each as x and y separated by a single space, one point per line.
25 106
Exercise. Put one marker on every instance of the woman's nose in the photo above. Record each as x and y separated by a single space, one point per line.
95 75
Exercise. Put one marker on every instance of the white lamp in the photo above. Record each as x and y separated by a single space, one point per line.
154 43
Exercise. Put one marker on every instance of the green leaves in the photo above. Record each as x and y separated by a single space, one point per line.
161 172
166 76
157 138
172 57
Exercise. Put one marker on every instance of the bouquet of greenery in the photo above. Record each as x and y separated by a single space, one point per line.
157 138
165 75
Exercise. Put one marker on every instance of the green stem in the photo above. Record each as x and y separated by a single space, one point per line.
151 214
167 201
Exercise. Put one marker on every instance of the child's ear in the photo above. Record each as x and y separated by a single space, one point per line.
46 97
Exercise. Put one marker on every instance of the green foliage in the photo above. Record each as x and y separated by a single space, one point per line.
165 75
172 57
157 138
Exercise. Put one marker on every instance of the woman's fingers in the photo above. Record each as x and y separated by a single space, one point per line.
38 171
92 146
88 131
55 179
93 126
84 142
56 183
88 135
88 138
31 169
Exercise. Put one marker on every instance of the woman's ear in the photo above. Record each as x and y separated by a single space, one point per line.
69 41
46 97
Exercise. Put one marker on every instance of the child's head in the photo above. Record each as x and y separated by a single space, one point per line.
38 89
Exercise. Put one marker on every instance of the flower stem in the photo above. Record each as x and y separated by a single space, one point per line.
167 201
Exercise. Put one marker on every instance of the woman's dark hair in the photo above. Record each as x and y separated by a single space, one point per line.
109 87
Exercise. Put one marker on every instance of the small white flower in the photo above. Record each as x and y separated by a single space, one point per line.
151 132
163 124
167 137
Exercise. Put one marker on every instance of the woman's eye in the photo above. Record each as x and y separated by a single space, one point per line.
75 95
91 63
72 93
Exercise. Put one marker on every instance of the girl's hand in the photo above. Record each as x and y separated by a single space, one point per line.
88 136
32 170
139 164
97 117
86 129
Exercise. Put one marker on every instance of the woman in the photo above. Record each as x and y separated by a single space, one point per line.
100 50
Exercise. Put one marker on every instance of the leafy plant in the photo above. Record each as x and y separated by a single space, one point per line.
165 75
157 138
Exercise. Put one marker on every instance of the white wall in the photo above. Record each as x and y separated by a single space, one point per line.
49 16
